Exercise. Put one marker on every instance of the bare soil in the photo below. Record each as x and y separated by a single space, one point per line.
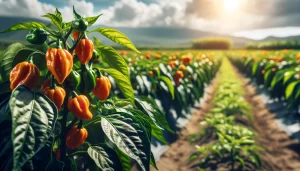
281 152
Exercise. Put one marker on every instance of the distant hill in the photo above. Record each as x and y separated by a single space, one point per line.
141 37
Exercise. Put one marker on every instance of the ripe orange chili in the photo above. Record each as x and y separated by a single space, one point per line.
59 63
79 106
150 73
84 50
75 137
45 85
75 35
57 95
102 88
24 73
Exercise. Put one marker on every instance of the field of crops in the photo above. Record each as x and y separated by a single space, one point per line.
69 102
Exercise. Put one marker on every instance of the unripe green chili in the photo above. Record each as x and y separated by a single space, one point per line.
88 81
37 36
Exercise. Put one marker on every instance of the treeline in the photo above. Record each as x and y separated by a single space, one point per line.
212 43
275 45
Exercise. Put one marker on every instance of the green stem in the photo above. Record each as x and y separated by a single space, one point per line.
51 42
232 159
77 152
66 38
64 128
76 43
93 121
72 123
29 59
52 83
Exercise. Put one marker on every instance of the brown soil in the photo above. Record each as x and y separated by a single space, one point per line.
280 151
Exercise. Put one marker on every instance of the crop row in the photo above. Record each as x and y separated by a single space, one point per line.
233 143
276 71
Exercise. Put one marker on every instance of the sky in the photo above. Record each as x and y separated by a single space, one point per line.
255 19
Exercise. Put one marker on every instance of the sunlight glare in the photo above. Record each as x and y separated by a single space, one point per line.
230 5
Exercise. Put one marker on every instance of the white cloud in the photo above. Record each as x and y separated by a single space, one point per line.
259 34
207 15
35 8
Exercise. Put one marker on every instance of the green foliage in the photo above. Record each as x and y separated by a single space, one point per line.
234 143
212 43
275 45
33 131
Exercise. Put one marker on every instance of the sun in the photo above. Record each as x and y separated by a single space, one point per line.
231 5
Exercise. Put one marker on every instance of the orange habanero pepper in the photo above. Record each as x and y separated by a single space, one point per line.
59 63
57 95
84 50
102 88
75 137
24 73
79 106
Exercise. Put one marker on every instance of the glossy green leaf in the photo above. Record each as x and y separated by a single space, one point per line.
92 20
113 59
169 84
55 20
123 83
149 107
105 158
26 26
75 14
290 89
33 120
116 36
120 128
13 53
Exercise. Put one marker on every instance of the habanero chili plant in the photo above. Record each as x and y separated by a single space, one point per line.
57 111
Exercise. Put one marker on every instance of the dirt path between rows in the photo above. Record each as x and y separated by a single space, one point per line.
280 151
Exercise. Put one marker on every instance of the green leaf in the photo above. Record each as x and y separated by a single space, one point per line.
125 160
58 15
169 84
105 158
290 89
123 83
287 76
55 20
92 20
254 68
113 59
124 131
151 109
4 87
152 162
14 52
156 131
6 150
26 26
116 36
97 42
33 120
241 160
75 14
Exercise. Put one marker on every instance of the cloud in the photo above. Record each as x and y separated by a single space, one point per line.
207 15
35 8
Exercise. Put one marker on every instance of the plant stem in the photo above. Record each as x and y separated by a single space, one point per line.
64 128
76 43
232 159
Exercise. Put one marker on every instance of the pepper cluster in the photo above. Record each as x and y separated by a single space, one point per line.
63 80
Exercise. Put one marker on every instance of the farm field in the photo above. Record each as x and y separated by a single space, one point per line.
71 102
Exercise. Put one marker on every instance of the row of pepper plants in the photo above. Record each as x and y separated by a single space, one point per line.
57 107
72 103
235 142
175 80
277 71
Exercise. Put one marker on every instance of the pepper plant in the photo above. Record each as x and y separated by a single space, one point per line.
57 109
